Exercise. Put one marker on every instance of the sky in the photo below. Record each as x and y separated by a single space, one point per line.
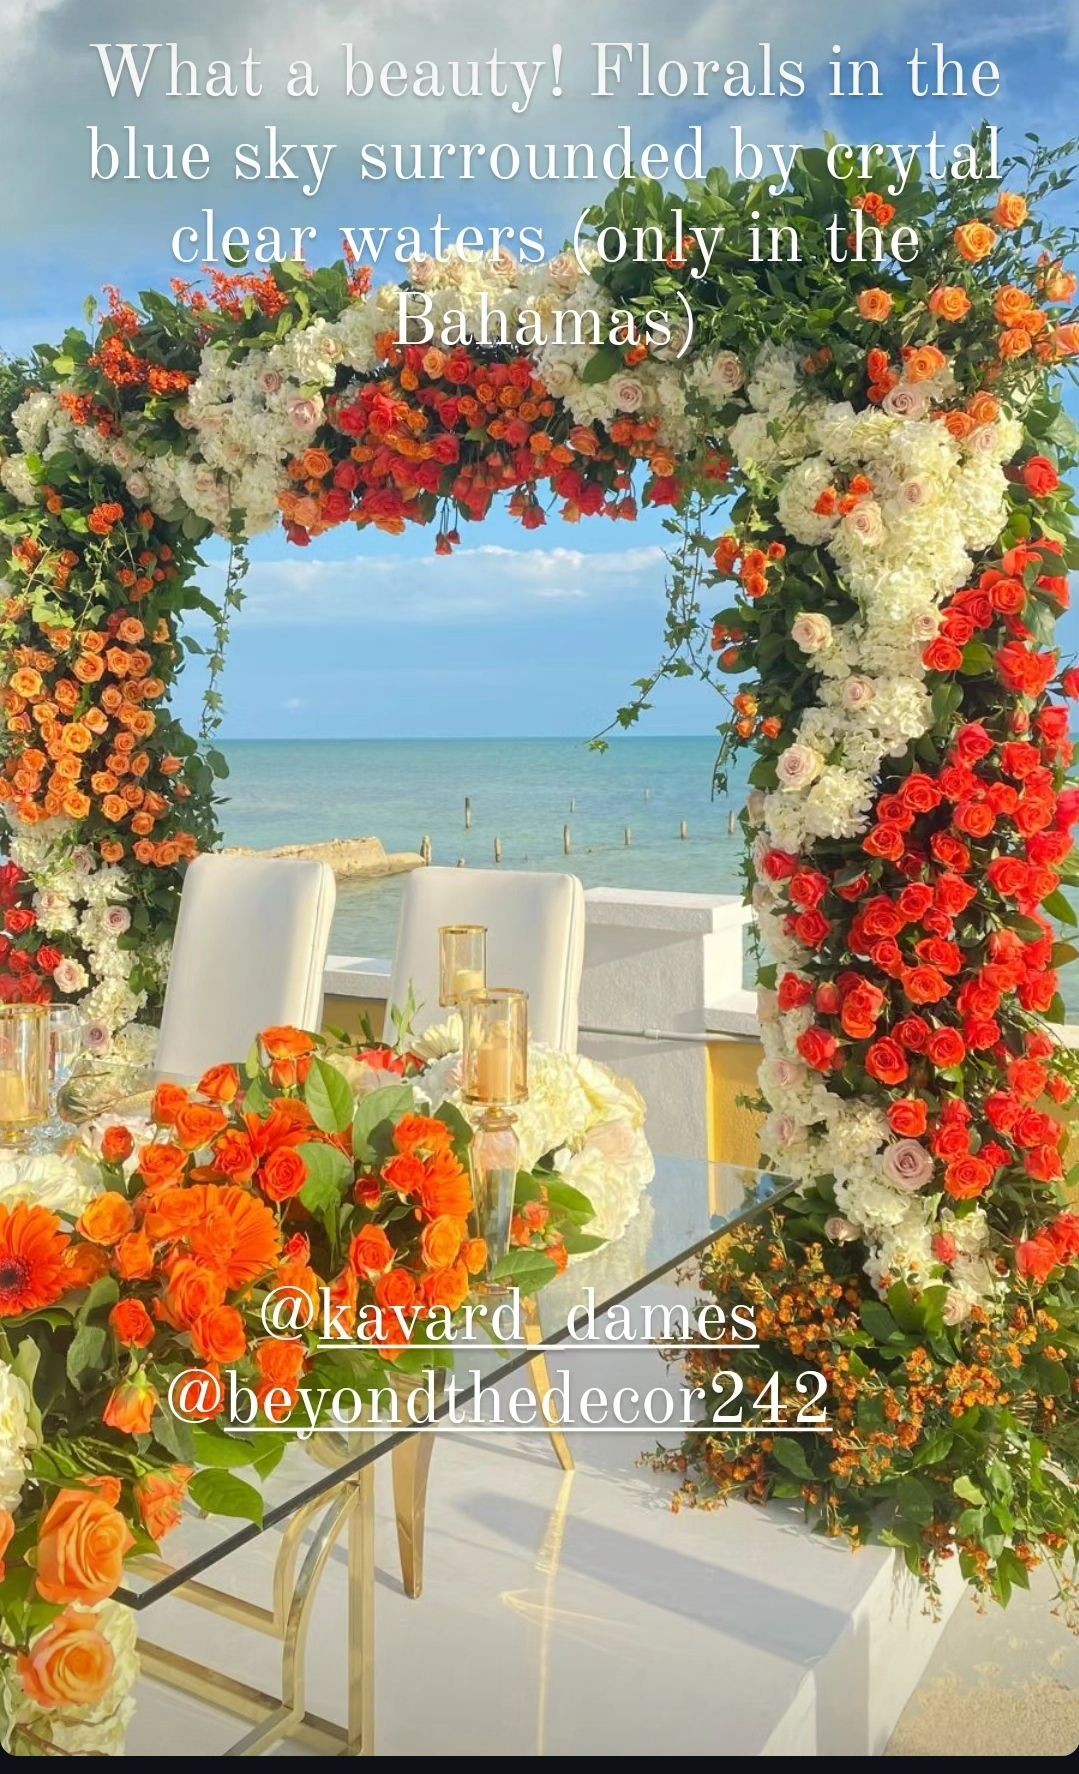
365 635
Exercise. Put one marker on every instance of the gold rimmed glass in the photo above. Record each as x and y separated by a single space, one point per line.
462 962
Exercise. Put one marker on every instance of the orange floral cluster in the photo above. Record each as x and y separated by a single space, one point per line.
119 363
81 707
750 566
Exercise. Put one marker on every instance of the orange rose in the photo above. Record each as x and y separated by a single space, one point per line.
219 1335
235 1156
170 1214
421 1135
7 1529
221 1083
71 1663
281 1361
984 409
131 1324
370 1252
81 1548
193 1289
134 1257
949 301
922 362
474 1255
159 1499
396 1288
1014 342
1066 339
1011 304
874 304
442 1241
584 440
446 1287
169 1099
85 1264
107 1218
161 1165
131 1406
283 1174
974 241
116 1145
1010 210
197 1124
287 1043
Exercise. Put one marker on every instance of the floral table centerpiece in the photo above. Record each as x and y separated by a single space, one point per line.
123 1268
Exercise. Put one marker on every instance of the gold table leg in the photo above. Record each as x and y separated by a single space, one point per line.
349 1510
541 1382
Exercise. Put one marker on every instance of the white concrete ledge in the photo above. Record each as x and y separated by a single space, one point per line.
639 908
351 976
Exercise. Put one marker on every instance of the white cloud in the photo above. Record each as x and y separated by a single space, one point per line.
471 585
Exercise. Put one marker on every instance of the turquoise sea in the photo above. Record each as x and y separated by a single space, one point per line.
523 791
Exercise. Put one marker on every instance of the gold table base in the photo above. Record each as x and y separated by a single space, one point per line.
349 1512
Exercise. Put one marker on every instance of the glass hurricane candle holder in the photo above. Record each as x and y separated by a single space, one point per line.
24 1071
494 1080
462 961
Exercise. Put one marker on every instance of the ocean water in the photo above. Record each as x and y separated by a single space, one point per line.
523 791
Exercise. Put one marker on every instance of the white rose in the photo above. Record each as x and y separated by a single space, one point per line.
811 631
627 394
797 767
857 693
840 1230
117 920
564 271
865 522
905 401
305 414
956 1307
907 1165
71 976
422 272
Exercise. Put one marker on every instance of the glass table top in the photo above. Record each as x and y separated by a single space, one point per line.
689 1203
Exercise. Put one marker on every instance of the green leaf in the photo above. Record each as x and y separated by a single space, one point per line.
175 1436
387 1104
222 1493
604 364
914 1499
329 1174
966 1488
211 1447
328 1095
1060 907
104 1292
86 1353
526 1270
788 1451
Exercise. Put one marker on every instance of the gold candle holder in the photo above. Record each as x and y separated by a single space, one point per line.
494 1080
24 1071
462 961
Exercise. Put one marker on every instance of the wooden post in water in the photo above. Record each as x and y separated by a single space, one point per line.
648 794
461 863
731 822
468 814
567 843
629 837
683 830
573 804
498 849
425 849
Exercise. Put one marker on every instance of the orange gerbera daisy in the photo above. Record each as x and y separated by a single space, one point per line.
446 1188
32 1270
234 1231
421 1135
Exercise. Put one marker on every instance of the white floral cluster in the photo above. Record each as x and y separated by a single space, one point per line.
98 1729
77 896
579 1115
902 547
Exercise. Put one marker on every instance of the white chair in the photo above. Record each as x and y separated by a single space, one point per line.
249 954
535 940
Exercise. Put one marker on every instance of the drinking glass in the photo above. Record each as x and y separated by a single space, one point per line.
24 1072
65 1037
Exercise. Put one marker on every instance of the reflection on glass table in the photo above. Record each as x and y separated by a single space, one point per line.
322 1490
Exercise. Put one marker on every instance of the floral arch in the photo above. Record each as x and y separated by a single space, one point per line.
862 466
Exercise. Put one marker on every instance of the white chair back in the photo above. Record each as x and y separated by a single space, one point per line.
535 940
249 954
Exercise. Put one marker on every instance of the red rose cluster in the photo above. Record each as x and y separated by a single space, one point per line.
26 962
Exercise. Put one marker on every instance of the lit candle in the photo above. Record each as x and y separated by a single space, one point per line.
14 1102
467 979
494 1080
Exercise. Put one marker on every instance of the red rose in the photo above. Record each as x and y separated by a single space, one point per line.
1008 597
1036 1258
861 1009
818 1048
980 1033
880 918
887 955
975 818
778 865
887 1062
807 888
1040 477
912 1033
1044 1164
914 901
951 851
885 840
942 655
49 958
826 1000
920 793
924 984
1064 1232
854 890
794 993
946 1049
1028 1079
952 895
908 1118
811 928
1053 723
972 742
966 1178
951 1140
19 920
1009 875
